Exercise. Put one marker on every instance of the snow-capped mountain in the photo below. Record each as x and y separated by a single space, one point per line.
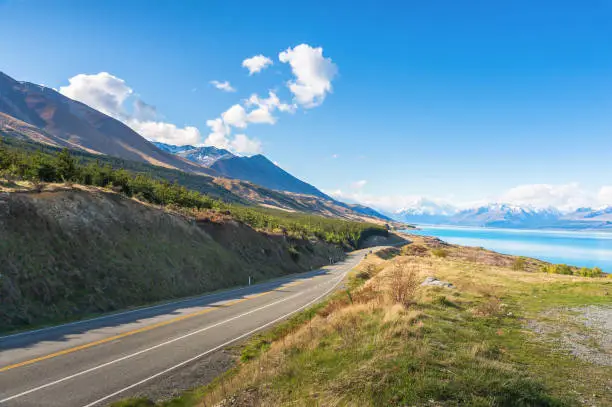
601 214
425 211
587 218
506 215
205 156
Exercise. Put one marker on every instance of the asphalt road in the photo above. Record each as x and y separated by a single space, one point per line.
97 361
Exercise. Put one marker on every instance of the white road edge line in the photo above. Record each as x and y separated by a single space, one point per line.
167 343
216 347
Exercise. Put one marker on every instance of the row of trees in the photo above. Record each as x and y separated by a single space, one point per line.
302 225
44 166
572 271
63 167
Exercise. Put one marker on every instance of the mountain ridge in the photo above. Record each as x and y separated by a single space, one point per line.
73 124
511 216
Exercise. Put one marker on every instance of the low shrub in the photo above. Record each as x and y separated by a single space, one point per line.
568 270
439 253
519 264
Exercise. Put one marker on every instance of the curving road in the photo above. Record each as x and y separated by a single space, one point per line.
97 361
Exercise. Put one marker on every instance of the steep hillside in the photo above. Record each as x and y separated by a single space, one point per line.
73 124
256 169
365 210
259 170
70 252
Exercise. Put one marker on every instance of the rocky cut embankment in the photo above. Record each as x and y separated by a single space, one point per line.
72 252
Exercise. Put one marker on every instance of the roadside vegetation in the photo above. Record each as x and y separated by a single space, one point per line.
41 166
390 341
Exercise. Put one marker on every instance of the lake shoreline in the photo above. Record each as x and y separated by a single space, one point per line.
576 248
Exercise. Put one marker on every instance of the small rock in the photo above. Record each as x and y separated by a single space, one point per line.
433 281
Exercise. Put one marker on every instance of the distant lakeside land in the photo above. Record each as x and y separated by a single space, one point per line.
592 248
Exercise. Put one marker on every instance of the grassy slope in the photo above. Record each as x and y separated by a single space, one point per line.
441 347
74 252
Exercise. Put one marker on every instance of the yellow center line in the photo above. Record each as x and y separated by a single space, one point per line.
105 340
140 330
289 285
250 297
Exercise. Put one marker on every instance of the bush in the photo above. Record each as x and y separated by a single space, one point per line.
519 264
404 282
439 253
567 270
590 272
413 249
557 269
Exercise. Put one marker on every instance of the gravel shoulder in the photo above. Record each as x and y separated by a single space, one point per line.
585 332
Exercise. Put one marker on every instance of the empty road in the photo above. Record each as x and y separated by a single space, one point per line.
97 361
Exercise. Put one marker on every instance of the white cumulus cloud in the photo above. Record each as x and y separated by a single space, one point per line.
235 116
102 91
220 136
224 86
563 197
272 102
256 64
166 132
110 94
605 195
261 115
313 74
245 145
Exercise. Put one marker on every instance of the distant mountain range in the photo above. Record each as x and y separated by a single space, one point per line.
256 169
40 114
507 216
259 170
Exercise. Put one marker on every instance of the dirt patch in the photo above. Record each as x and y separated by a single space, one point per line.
196 374
585 332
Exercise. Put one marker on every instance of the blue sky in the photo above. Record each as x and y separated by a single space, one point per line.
458 101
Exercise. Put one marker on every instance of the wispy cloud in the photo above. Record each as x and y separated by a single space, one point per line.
224 86
359 184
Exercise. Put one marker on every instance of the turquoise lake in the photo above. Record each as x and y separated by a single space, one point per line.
588 249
